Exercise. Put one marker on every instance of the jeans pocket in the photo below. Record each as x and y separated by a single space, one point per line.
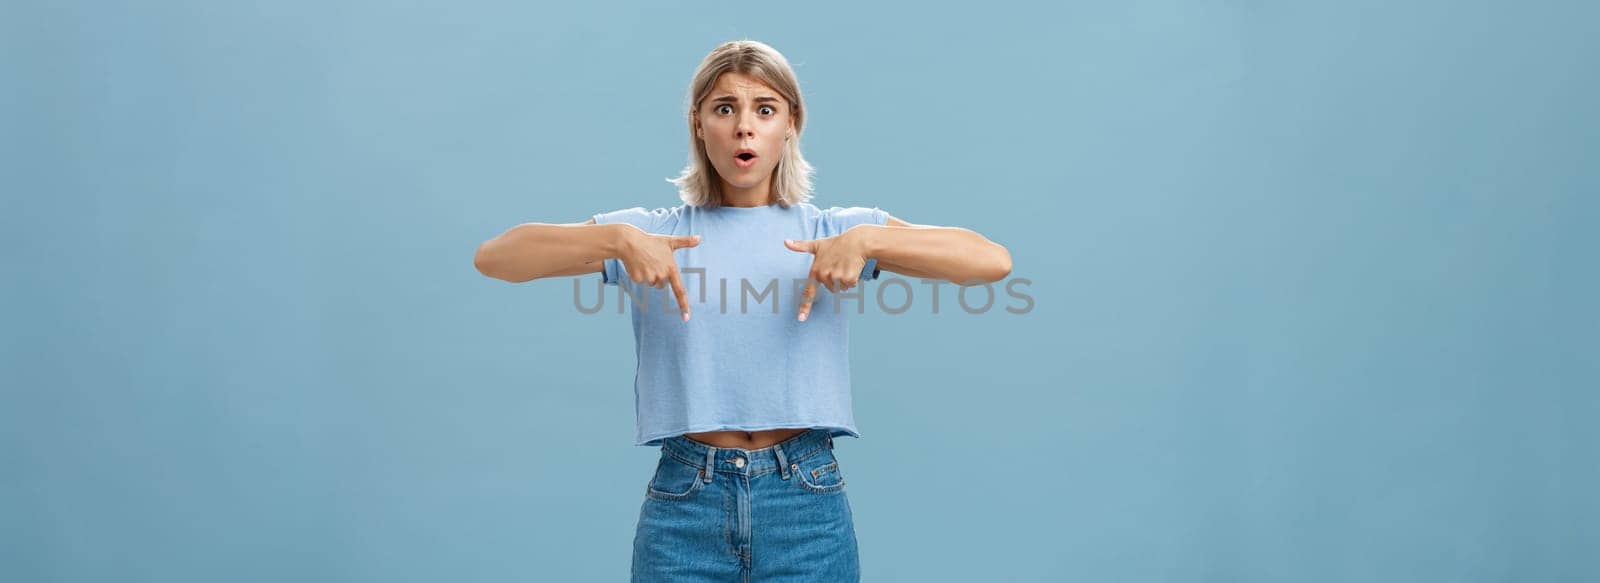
674 479
820 473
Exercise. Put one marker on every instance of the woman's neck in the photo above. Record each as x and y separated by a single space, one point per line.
758 195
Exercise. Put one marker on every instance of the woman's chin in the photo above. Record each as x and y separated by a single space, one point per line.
743 180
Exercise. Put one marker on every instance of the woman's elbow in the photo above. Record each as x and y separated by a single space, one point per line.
1000 266
484 261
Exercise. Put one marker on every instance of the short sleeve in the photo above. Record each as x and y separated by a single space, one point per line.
649 221
841 219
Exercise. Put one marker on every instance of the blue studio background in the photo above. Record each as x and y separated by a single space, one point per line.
1314 286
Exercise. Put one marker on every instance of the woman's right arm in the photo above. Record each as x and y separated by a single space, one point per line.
533 250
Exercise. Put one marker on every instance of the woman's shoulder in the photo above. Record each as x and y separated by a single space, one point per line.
845 217
651 220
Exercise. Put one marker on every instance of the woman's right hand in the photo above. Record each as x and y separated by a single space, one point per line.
648 260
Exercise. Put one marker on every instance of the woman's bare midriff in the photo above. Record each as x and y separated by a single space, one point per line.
746 439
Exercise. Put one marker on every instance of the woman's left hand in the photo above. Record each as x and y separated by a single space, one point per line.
837 264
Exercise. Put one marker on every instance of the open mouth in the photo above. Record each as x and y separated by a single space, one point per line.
744 159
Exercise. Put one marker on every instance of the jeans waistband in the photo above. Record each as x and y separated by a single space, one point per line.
778 457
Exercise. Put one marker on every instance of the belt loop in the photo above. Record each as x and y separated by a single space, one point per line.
783 462
711 463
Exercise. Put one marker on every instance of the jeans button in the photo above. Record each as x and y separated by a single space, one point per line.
738 462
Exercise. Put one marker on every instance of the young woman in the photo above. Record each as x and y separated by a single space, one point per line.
744 402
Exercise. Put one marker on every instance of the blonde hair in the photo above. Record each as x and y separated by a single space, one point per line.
699 184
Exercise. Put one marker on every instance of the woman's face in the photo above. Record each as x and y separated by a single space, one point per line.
743 124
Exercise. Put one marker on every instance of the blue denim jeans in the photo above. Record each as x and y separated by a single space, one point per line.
731 515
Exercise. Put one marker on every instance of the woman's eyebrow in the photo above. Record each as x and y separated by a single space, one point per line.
732 99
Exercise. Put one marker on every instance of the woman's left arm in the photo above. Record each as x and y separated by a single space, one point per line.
955 254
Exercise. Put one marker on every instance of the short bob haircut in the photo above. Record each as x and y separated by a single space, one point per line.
699 185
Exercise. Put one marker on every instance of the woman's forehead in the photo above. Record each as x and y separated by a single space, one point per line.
742 86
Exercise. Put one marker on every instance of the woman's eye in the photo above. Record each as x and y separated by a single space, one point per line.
768 109
720 109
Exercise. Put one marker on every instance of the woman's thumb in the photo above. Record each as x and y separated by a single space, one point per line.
685 241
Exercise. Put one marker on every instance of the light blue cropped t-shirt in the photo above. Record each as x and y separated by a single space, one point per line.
742 361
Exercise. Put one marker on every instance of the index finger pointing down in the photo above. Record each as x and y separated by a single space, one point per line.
677 290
